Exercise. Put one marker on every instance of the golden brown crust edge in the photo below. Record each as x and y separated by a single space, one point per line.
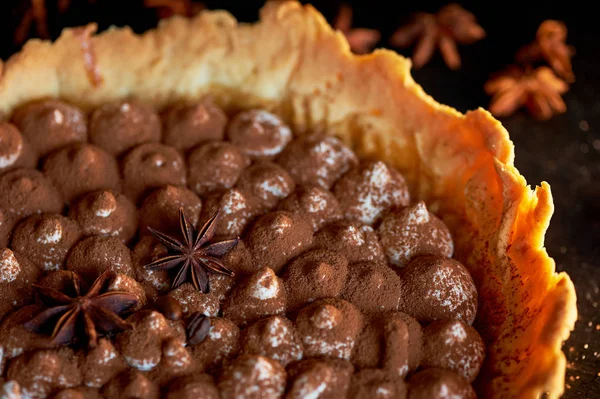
293 63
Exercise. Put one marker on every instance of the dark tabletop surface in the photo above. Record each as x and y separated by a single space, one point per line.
564 151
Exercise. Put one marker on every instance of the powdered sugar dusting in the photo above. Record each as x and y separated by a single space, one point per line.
11 390
267 285
326 317
233 201
141 364
456 333
125 107
50 232
319 347
447 292
352 235
277 330
58 117
9 266
276 186
307 390
419 214
278 133
281 224
10 159
317 201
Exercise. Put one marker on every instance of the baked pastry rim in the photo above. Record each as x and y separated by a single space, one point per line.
294 64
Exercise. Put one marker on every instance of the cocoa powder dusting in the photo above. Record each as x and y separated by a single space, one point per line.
337 287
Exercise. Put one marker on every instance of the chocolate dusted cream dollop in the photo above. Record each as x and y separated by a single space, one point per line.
91 256
438 288
41 372
24 192
15 150
253 377
435 383
236 210
187 125
142 345
329 327
7 223
315 274
358 242
278 237
46 239
80 168
453 345
147 250
317 158
131 384
317 203
376 384
389 341
197 386
119 126
101 364
259 134
215 166
149 166
239 260
80 392
326 378
372 287
369 350
213 341
15 339
160 209
193 301
17 276
107 213
274 337
260 295
366 192
51 124
267 182
413 231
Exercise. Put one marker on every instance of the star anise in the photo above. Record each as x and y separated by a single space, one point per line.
550 45
168 8
94 312
194 255
452 24
539 91
36 14
361 40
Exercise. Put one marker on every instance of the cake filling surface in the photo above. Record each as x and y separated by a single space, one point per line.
193 253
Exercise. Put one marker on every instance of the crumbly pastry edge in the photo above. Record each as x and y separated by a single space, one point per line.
295 65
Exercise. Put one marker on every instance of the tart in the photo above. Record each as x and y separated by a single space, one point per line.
287 84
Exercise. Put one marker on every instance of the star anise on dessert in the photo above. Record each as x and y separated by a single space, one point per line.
194 256
361 40
36 14
550 45
168 8
538 90
450 26
93 313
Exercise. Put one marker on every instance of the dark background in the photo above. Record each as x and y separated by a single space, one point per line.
564 151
